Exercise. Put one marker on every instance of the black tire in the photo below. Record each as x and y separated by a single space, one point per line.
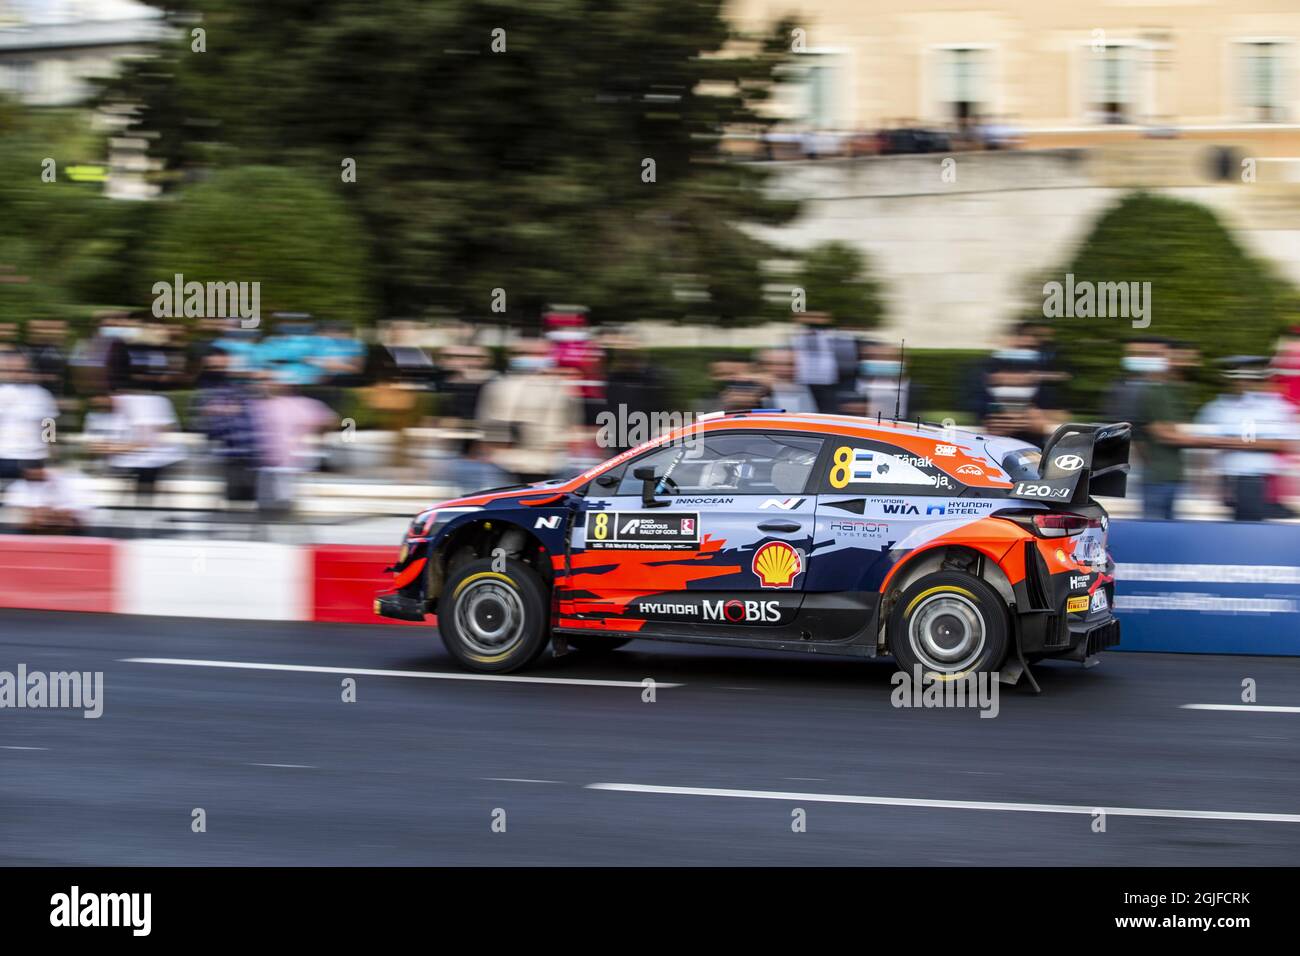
596 643
950 623
494 621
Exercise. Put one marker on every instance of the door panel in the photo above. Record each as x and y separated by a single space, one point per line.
728 550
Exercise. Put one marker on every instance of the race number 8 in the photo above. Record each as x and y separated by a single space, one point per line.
601 531
843 470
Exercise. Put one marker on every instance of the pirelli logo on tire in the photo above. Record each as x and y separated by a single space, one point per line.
643 531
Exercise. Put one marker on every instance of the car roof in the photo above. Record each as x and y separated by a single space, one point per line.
854 426
921 438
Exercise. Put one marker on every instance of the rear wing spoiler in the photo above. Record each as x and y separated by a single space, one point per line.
1079 461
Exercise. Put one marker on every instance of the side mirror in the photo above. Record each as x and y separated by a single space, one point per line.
646 475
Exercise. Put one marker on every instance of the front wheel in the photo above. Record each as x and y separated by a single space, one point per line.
950 624
494 621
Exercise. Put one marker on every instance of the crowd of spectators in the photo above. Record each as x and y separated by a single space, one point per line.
142 400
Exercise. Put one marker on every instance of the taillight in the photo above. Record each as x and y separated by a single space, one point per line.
1059 525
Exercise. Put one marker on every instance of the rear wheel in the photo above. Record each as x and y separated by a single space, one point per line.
949 623
494 621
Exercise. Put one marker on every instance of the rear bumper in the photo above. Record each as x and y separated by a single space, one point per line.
1087 639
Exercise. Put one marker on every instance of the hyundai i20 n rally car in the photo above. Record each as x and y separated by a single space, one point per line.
821 534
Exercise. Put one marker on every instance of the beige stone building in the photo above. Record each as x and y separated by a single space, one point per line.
1061 73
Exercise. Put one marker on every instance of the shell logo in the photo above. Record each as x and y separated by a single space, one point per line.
777 564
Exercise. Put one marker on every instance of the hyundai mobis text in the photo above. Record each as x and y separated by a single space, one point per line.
814 534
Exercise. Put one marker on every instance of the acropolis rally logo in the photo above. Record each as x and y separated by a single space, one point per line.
777 564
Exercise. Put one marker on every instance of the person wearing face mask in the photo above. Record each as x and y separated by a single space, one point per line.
1019 398
1157 410
782 390
1141 356
537 410
1254 427
877 389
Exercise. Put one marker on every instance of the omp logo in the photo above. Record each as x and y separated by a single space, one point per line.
547 521
742 612
785 504
944 451
1068 462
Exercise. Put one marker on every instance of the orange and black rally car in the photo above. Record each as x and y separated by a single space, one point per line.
819 534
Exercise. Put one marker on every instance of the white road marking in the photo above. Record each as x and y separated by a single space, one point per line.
24 748
1265 708
286 766
373 672
519 780
950 804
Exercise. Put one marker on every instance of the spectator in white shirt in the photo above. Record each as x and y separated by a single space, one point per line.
49 500
27 417
136 431
1254 428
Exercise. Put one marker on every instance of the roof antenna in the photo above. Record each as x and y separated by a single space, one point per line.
898 394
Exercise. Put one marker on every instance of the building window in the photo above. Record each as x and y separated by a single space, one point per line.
1261 65
964 84
1113 83
814 90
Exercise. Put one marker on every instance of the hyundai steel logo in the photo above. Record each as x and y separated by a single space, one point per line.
1068 462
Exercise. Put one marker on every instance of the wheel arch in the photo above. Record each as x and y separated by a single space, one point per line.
983 563
480 537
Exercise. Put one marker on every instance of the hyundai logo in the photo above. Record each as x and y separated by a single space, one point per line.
1068 462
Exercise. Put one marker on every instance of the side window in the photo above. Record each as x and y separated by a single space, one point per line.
736 464
865 467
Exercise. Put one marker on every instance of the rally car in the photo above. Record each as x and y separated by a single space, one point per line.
823 534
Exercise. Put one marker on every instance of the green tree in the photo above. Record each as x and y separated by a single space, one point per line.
836 278
497 145
275 225
51 250
1205 289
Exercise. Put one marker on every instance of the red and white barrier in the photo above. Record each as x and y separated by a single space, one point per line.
211 579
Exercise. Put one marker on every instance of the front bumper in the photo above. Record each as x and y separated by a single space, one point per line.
400 607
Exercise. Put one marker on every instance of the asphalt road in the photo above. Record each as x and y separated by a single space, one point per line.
416 770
